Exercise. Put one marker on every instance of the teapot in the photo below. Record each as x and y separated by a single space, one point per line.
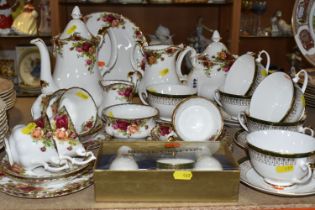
209 68
76 54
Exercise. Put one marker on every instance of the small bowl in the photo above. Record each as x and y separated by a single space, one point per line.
281 157
232 104
197 119
129 120
165 97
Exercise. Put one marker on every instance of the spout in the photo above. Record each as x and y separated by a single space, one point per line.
47 83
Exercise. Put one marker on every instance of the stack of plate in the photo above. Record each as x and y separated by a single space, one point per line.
4 127
309 94
39 183
7 92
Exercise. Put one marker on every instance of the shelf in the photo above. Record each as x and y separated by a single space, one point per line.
25 36
265 37
87 3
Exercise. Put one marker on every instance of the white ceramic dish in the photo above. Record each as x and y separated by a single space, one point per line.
272 98
165 97
240 76
251 178
197 119
129 120
282 157
126 35
81 109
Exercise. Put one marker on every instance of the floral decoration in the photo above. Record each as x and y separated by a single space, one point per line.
139 37
63 129
111 20
40 131
23 187
124 92
85 48
223 59
127 127
152 56
165 130
88 125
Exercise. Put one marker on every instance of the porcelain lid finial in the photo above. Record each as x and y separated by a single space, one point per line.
216 36
76 13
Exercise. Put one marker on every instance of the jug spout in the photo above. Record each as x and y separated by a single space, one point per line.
47 83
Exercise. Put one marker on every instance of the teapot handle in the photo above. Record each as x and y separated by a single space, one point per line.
297 78
114 53
180 60
259 59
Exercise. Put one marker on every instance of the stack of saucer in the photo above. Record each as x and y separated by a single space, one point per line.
3 123
7 92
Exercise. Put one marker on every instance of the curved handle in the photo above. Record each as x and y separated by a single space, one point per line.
155 133
135 77
55 169
242 120
180 59
144 97
135 64
217 97
113 53
307 129
8 151
297 78
259 59
73 161
304 167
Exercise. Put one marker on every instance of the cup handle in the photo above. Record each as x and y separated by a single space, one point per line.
114 53
297 78
90 158
55 169
135 64
259 59
305 167
242 120
307 129
217 97
154 133
144 97
180 59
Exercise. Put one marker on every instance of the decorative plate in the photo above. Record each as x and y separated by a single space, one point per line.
127 36
303 24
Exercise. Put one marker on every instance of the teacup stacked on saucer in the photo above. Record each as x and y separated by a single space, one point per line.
310 90
4 127
241 81
7 92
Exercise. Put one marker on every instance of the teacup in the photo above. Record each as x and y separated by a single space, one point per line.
81 108
298 107
115 92
232 104
163 131
165 97
281 157
31 146
67 141
129 120
252 124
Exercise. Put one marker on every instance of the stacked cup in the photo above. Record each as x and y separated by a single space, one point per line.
4 127
244 76
7 92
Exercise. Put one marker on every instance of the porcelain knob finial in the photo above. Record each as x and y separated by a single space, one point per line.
76 13
216 36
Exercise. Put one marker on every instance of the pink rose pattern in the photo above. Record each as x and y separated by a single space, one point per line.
126 127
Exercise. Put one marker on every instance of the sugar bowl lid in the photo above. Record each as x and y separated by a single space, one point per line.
76 26
216 46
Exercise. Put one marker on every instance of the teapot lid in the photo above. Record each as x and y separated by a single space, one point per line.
216 46
76 26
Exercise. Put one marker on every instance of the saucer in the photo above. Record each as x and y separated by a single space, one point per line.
240 139
64 186
250 177
197 119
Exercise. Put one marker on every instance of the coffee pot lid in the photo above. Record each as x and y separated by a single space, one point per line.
216 46
76 26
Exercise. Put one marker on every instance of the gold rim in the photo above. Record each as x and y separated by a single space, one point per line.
214 137
170 96
276 123
279 154
160 165
245 97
